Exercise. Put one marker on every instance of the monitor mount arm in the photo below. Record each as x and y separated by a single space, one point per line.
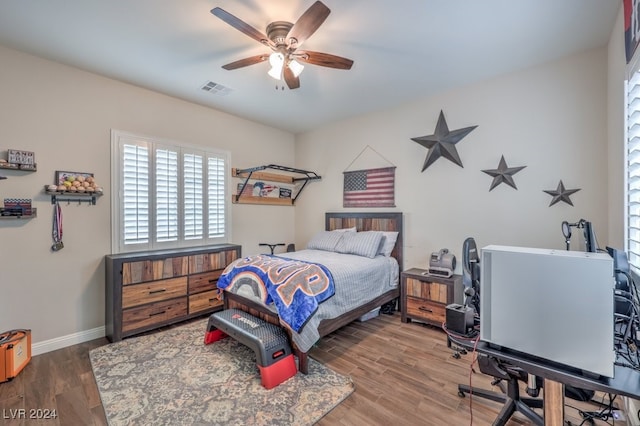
566 230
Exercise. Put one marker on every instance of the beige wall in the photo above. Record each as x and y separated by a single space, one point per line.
551 118
65 116
616 75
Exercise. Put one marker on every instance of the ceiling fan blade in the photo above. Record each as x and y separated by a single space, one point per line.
307 24
324 59
240 25
292 81
246 62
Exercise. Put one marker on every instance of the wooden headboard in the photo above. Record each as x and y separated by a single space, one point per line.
369 222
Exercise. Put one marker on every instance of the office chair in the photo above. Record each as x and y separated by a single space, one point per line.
471 274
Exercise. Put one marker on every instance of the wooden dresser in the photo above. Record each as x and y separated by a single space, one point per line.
424 297
151 289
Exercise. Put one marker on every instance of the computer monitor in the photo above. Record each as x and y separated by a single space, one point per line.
590 240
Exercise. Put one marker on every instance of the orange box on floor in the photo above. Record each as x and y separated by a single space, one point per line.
15 353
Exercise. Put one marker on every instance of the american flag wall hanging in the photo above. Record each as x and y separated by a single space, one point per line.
370 188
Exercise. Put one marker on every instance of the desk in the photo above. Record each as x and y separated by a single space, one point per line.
626 381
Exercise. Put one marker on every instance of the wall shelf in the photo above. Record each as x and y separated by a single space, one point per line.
19 168
71 197
250 199
34 213
257 174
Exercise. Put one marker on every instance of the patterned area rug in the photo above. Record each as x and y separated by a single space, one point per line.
171 377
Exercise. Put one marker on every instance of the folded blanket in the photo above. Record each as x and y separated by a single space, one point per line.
295 287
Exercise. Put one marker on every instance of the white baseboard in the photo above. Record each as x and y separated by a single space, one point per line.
68 340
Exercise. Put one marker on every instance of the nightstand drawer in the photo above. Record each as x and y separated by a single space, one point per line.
155 313
139 294
436 292
203 301
425 297
428 310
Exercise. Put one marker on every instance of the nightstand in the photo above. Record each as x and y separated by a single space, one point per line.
424 297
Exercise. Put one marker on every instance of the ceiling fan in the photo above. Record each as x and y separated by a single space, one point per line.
284 39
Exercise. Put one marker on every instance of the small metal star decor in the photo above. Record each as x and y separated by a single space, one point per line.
503 174
442 143
561 194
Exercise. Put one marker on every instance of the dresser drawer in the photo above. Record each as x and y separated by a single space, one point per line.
203 301
139 294
150 270
211 261
426 309
155 313
204 282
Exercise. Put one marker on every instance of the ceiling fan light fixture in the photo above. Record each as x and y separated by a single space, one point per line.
284 38
276 60
295 67
275 73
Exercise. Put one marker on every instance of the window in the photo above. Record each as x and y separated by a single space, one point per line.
166 194
633 171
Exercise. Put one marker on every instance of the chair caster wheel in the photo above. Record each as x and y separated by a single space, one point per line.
461 394
456 355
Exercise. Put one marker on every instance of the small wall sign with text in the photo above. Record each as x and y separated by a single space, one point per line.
21 157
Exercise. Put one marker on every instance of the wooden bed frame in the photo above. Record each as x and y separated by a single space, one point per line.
362 222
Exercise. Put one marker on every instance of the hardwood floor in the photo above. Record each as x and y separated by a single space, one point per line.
403 374
60 380
406 374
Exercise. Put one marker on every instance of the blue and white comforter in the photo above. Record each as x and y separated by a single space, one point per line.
357 280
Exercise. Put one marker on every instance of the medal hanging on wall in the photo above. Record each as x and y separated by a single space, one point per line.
57 228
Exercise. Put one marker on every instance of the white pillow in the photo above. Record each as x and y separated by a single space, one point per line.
364 243
354 229
325 240
388 242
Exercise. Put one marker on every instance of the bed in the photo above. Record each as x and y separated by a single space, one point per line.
343 307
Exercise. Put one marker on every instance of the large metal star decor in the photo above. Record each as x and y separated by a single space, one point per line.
561 194
503 174
442 143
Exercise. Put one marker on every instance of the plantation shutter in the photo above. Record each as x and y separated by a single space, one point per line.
167 194
633 170
216 191
167 210
193 191
135 193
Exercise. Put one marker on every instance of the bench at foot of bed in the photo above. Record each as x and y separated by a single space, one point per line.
268 341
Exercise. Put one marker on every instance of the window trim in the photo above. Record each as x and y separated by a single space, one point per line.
117 244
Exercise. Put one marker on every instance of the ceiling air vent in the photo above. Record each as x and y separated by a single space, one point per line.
216 88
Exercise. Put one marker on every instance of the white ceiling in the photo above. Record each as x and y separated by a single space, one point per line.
402 50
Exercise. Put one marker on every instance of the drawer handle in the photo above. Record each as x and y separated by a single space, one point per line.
162 290
213 281
157 313
213 299
422 308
